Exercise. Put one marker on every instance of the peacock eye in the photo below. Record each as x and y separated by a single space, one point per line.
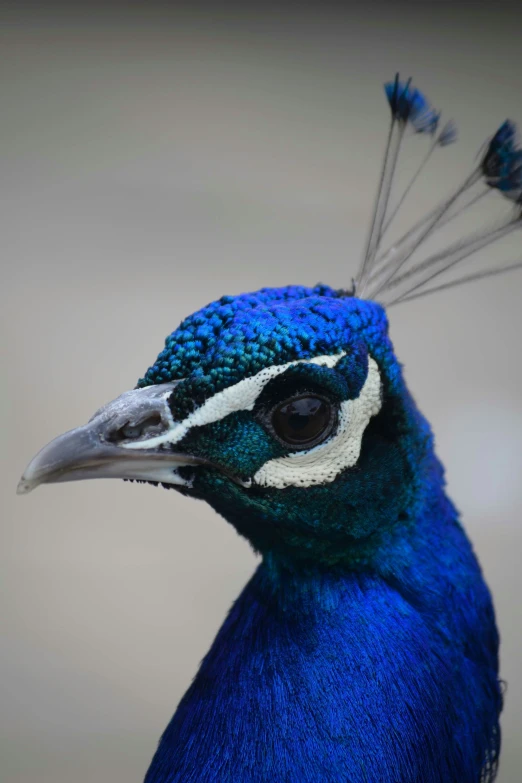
303 421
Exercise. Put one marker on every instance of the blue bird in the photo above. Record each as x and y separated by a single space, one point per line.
364 648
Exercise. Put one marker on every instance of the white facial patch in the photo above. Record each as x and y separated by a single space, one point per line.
319 465
323 463
241 396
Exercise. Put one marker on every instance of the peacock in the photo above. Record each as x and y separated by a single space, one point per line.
364 647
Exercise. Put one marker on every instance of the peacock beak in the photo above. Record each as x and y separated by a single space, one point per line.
103 448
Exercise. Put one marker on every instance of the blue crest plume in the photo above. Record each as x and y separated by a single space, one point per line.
502 162
409 105
500 149
392 275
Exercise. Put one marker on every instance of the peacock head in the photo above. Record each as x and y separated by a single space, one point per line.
285 409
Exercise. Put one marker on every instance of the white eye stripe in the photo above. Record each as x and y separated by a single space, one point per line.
239 397
321 464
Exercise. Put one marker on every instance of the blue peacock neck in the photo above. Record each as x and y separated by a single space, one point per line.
415 552
382 667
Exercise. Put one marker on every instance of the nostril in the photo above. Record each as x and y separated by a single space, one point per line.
130 431
148 427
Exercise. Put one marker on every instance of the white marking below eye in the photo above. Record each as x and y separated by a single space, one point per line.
323 463
241 396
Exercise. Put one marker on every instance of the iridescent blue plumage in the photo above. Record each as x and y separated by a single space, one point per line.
364 648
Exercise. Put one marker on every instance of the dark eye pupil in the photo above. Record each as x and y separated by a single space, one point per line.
302 420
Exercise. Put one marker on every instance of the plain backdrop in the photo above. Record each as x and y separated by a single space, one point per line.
153 160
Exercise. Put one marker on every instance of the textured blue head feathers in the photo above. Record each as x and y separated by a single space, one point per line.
237 336
237 359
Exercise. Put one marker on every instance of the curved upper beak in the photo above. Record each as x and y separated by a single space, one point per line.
102 448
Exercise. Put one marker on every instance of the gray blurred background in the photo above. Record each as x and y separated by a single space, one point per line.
153 160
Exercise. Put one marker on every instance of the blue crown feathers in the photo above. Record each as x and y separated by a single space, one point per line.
393 275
